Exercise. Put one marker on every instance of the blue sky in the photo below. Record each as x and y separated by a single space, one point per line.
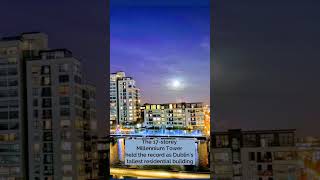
157 42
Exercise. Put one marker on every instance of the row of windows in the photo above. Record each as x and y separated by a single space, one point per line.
47 113
9 148
9 137
9 82
9 115
8 61
46 69
8 71
8 93
9 126
9 103
46 91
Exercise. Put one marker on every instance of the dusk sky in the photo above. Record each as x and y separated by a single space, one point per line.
266 62
160 43
79 26
266 53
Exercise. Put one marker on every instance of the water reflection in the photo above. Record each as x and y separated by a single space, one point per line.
117 153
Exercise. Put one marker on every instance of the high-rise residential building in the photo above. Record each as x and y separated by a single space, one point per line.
124 100
267 154
61 114
101 161
13 107
174 115
47 112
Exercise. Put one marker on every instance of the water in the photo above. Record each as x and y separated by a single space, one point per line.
162 132
117 156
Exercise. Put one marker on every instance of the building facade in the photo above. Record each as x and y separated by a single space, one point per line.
248 155
47 112
174 115
61 117
13 134
124 100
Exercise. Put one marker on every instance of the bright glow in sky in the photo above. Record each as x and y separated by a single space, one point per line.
164 47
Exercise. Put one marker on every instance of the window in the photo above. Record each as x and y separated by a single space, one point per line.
4 115
3 72
13 93
66 157
235 156
259 156
35 69
45 69
269 167
259 167
286 139
14 103
46 114
48 170
251 156
3 83
14 125
65 123
63 67
35 91
63 90
3 126
12 71
3 93
46 92
63 78
45 81
46 103
64 112
47 147
47 125
47 136
13 114
266 139
222 141
36 81
12 60
35 113
65 135
285 155
64 100
249 140
48 159
35 102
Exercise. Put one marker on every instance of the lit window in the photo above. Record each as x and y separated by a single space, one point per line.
64 90
65 123
45 81
45 69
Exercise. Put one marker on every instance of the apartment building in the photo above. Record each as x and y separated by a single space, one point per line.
174 115
255 155
101 161
47 112
13 134
61 117
124 100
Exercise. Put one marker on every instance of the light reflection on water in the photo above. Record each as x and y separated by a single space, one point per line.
117 152
161 132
